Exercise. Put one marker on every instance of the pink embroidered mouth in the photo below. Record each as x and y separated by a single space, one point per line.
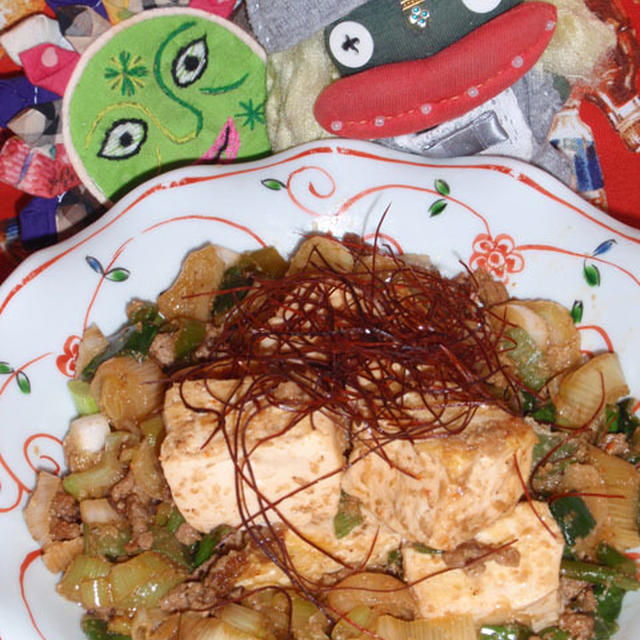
227 143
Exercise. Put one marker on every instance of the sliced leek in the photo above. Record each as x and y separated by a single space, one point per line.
460 627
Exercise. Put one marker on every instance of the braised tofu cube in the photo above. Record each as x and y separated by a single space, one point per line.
516 579
269 460
441 491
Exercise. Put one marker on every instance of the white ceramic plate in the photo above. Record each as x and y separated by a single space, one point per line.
532 232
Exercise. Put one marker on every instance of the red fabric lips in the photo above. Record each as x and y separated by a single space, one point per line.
405 97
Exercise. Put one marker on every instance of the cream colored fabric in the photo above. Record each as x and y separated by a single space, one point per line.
295 78
579 41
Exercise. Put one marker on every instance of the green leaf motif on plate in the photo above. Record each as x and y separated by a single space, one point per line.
437 207
5 368
117 275
442 187
273 184
591 275
23 382
577 310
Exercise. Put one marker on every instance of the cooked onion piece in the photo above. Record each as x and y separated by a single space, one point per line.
379 591
191 294
584 392
93 343
459 627
322 253
58 555
36 513
622 483
128 390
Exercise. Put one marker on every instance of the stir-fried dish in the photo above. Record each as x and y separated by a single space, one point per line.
345 445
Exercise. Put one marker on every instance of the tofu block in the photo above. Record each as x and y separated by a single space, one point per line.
320 552
495 593
298 466
441 491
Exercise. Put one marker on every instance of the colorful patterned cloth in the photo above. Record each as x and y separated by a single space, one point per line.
593 142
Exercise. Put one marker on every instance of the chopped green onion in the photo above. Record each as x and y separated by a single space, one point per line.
208 543
573 517
175 520
349 515
527 357
144 579
610 556
96 481
82 399
504 632
598 574
189 338
96 629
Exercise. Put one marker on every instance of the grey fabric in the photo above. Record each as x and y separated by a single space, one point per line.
539 101
471 138
280 24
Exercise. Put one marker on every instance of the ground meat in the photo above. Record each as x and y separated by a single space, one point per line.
139 513
467 556
578 625
204 350
615 444
65 507
218 581
570 588
162 349
64 517
586 600
121 490
490 291
187 535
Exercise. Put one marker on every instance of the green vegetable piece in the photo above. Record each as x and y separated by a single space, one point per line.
144 579
208 543
236 281
189 338
175 520
394 562
554 633
106 540
153 429
619 418
82 569
527 357
266 261
96 629
423 548
349 515
573 518
606 554
134 338
598 574
505 632
165 542
96 481
545 413
82 398
547 442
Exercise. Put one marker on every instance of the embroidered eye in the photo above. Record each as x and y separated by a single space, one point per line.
351 44
190 62
481 6
123 139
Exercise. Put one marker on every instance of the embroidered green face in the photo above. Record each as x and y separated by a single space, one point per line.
165 89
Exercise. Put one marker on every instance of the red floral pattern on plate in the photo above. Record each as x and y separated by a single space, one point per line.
66 362
496 255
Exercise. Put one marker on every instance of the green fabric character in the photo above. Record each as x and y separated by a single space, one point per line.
164 89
